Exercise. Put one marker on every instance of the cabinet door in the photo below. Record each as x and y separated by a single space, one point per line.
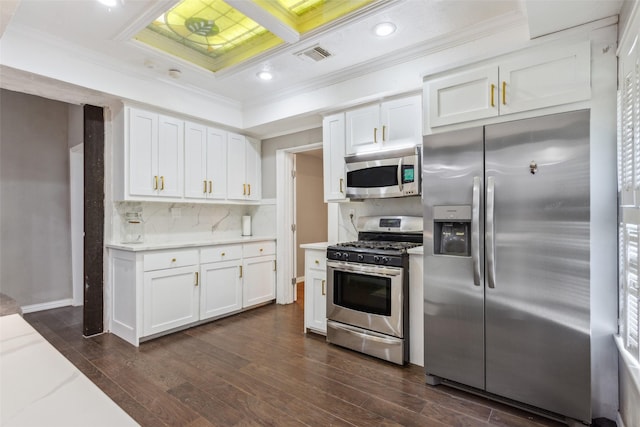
555 76
315 290
143 155
462 97
195 161
170 156
363 129
216 164
236 172
401 121
170 299
333 146
259 280
253 169
220 289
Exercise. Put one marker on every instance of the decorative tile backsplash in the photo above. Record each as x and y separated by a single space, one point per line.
188 222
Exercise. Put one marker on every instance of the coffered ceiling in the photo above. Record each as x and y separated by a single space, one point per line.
299 57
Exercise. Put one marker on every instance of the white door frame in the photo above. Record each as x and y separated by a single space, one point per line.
76 182
285 213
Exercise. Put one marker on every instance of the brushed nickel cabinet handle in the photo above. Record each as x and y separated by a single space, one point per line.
210 187
197 279
205 186
240 270
275 265
375 135
324 291
384 128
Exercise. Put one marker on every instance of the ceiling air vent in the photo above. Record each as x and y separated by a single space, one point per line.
314 54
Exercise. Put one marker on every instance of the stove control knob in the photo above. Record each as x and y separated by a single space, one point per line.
360 257
337 255
345 256
385 259
376 258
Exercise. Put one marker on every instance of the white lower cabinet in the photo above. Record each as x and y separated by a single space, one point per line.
259 273
158 291
315 291
170 299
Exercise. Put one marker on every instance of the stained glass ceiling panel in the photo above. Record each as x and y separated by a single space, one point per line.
215 35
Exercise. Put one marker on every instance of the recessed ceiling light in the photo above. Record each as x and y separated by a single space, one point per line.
264 75
109 3
384 29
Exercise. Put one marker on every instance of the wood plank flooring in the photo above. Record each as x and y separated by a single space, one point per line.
258 368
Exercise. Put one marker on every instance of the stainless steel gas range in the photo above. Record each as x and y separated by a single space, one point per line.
368 287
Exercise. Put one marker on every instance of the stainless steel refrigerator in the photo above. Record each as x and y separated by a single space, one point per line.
506 264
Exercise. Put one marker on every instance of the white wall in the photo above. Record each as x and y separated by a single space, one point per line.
35 248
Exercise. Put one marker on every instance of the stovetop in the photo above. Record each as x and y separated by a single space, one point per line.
378 245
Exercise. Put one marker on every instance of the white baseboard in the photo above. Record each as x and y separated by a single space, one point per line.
619 420
46 305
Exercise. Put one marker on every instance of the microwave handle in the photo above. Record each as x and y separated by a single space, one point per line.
400 174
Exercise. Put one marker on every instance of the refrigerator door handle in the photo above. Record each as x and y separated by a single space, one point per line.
491 232
475 230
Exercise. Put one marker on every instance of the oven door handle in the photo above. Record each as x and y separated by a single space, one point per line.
364 268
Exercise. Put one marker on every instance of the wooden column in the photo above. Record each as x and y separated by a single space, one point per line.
93 220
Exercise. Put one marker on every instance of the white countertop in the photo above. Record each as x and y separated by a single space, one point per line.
418 250
40 387
318 245
138 247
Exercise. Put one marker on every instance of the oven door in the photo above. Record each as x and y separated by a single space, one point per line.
368 296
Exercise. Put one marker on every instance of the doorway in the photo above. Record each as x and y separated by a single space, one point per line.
302 213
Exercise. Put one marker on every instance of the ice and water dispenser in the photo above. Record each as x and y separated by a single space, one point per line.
452 230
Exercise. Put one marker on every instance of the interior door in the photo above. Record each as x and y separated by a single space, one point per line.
453 297
537 270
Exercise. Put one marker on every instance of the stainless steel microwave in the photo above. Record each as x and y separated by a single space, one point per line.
381 174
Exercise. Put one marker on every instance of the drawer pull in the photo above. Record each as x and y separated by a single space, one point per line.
222 254
261 249
317 262
173 260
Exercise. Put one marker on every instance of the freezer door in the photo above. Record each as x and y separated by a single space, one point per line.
537 262
453 282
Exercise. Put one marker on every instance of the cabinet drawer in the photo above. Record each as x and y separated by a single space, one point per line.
259 249
316 260
220 253
170 259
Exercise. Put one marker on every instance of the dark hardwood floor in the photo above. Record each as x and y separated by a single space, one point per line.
259 368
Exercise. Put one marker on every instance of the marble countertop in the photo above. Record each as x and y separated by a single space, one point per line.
138 247
418 250
318 245
40 387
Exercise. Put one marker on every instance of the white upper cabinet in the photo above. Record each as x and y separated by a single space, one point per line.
333 146
389 124
205 154
243 168
462 97
537 78
554 76
155 145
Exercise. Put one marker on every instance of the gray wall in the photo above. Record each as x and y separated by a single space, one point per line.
311 210
269 148
35 248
